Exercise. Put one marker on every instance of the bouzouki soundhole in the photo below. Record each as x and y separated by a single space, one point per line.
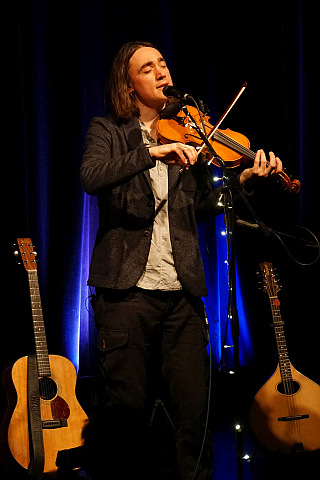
290 387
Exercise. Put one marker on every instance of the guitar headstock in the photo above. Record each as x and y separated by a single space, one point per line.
269 282
26 250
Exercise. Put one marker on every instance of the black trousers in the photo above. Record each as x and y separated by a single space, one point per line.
153 347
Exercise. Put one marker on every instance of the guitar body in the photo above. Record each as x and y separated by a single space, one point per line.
62 416
286 423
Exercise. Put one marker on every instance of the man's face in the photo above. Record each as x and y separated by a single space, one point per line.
149 74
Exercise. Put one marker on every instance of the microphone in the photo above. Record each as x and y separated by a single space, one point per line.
257 226
244 223
170 91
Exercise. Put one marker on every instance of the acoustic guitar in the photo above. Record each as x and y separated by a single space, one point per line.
285 413
62 417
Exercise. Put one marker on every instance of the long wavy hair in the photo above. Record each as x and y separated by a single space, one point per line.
123 103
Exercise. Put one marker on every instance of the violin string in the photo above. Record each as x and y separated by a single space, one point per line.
220 137
234 145
229 142
293 186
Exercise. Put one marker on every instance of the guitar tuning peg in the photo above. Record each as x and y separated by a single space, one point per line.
16 252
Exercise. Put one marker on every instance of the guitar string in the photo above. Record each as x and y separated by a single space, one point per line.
36 313
45 388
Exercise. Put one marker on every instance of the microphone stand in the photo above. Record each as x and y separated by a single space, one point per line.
233 186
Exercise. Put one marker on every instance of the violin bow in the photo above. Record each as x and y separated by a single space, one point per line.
223 116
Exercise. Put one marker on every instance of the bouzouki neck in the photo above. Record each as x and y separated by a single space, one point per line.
271 286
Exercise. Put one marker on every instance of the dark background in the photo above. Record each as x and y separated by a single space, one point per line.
56 59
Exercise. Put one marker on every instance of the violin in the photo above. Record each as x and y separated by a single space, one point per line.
232 147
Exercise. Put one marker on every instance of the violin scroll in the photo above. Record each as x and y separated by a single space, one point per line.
293 186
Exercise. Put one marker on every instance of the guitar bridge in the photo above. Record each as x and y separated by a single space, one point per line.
54 423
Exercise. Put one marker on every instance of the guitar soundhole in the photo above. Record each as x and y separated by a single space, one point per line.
47 388
290 387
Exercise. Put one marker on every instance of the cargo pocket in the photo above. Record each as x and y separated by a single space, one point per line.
111 340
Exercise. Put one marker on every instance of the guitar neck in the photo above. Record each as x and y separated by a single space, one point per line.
284 362
38 326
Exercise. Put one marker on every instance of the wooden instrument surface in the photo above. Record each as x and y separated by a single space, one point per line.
64 375
62 417
284 422
285 413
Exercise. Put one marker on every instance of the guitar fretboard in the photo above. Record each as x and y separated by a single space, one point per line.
38 326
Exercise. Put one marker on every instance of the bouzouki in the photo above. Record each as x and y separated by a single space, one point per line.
61 417
285 413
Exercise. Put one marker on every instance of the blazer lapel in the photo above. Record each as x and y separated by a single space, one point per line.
134 139
133 135
173 181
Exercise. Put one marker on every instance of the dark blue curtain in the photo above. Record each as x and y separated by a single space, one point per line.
57 60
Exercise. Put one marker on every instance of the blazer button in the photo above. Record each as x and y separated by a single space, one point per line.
150 204
146 233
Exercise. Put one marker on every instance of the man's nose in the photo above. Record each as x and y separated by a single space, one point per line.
160 72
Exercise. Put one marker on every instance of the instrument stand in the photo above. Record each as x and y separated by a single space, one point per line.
234 318
159 403
232 187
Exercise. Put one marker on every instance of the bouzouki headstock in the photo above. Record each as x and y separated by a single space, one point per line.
269 282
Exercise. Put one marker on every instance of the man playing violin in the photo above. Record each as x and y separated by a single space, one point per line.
147 270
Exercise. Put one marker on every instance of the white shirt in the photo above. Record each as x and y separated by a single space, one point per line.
160 272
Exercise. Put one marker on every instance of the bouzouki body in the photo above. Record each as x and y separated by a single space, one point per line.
285 413
62 417
287 423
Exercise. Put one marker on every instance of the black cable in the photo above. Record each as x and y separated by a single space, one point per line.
209 399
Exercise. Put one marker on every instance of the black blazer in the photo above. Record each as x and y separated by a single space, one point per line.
115 167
